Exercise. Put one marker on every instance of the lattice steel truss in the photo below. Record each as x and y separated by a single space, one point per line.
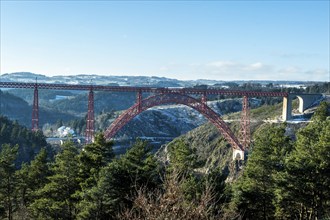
35 109
162 96
245 133
90 117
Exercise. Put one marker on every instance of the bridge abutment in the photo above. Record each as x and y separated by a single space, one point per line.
238 154
287 108
305 101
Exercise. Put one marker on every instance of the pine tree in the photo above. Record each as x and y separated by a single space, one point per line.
56 199
93 157
322 112
182 158
8 180
254 193
32 177
118 181
304 191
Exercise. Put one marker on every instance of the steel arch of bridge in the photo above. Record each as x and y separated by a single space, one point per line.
173 98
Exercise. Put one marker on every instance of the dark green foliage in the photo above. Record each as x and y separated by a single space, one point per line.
193 185
118 181
322 112
303 190
30 143
56 199
8 180
94 156
255 191
288 182
280 181
182 157
32 177
92 159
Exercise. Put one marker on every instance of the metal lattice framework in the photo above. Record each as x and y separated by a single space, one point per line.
188 91
174 98
245 133
163 96
35 109
90 117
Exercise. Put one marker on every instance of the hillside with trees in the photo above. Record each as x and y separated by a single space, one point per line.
16 108
287 179
29 143
283 178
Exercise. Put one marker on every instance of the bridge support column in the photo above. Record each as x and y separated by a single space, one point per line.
245 133
35 109
238 154
204 101
139 100
287 108
305 101
90 118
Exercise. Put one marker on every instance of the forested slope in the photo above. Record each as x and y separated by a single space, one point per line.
283 178
286 175
18 109
30 143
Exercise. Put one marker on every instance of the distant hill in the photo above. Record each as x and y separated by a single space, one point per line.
103 102
96 79
152 81
15 108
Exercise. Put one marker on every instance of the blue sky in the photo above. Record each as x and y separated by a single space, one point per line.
222 40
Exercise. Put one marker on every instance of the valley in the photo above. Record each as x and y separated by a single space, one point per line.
159 143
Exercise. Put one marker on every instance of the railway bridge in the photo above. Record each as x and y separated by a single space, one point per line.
161 96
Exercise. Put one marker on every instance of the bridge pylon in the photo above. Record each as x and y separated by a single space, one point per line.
139 100
245 132
90 118
204 101
35 109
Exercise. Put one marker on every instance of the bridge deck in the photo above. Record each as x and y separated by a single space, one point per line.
19 85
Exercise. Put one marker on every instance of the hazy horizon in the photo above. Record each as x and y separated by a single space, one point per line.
171 78
214 40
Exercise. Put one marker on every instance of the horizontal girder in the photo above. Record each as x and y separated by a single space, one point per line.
141 89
